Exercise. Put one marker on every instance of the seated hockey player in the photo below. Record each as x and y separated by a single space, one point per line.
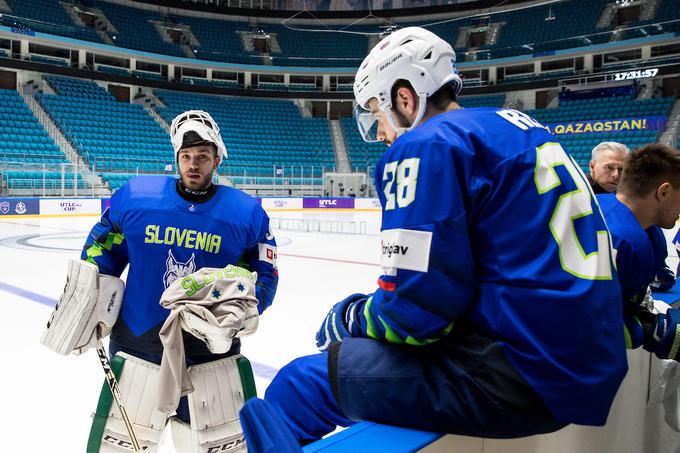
647 199
606 167
165 229
498 311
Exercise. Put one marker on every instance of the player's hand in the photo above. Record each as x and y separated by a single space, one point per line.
335 326
663 281
664 338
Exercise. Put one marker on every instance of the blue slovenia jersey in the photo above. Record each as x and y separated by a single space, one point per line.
164 237
487 221
640 253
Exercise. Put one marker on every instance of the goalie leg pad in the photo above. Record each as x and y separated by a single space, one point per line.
138 383
89 301
220 391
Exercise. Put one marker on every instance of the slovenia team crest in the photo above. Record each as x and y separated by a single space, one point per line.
176 269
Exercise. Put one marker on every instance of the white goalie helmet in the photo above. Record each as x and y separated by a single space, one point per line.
202 124
413 54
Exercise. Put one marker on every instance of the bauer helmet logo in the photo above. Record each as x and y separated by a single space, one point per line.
394 59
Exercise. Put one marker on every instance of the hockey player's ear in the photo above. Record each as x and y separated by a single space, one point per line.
663 191
407 102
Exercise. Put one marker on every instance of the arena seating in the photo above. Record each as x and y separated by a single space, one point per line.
523 32
29 154
363 155
135 31
220 40
260 134
109 135
603 108
482 101
47 16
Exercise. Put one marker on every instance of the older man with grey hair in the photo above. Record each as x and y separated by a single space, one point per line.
606 165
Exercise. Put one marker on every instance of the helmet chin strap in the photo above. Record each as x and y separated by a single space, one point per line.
400 130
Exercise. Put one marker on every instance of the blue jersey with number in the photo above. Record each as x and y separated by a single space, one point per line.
640 253
163 237
488 222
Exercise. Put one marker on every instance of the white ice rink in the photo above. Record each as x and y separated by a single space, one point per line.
47 399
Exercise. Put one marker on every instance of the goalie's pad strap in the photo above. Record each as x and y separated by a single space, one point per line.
138 384
89 301
220 390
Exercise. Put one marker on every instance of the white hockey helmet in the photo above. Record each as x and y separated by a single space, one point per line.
202 124
414 54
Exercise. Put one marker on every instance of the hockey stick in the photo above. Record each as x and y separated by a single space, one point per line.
115 391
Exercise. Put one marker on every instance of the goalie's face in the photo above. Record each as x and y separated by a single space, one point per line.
196 166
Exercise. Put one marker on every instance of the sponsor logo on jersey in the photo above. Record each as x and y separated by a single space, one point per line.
4 207
267 253
176 269
190 239
20 208
405 249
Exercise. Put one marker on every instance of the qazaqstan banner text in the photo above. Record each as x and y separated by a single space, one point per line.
643 123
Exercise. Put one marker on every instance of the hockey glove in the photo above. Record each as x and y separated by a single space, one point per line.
663 281
663 337
340 322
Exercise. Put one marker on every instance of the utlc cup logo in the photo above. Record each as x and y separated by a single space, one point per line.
324 203
70 206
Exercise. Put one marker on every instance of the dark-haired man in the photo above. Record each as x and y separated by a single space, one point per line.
485 274
166 228
647 199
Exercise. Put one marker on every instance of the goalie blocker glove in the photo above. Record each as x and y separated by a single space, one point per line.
88 307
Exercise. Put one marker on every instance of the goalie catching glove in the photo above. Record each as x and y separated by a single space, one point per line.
88 307
214 305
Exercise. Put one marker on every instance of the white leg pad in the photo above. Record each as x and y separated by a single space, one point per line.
138 386
214 407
